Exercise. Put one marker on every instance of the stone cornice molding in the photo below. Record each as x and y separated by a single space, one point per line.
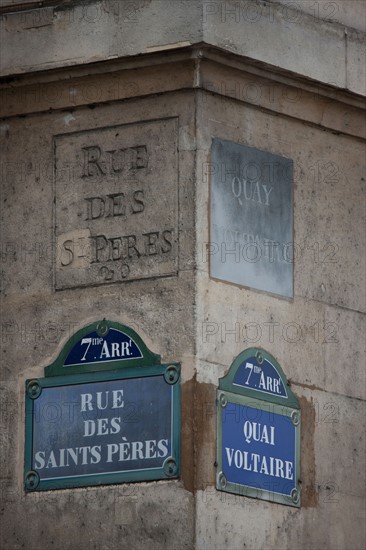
200 67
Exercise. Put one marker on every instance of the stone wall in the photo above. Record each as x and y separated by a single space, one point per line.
44 302
317 336
74 88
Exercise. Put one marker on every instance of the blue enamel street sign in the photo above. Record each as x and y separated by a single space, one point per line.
258 431
263 378
89 427
102 427
92 348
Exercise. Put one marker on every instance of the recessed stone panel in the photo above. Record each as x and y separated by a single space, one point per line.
116 204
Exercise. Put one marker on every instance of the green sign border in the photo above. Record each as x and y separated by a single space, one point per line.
147 366
228 393
226 383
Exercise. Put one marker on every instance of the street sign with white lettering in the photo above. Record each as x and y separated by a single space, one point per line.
263 378
114 346
258 431
101 427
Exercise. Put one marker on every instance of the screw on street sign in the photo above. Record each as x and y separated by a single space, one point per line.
258 431
106 412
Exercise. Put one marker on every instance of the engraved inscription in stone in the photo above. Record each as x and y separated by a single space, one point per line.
116 204
251 218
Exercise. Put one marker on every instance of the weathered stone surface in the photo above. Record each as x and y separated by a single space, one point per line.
37 321
11 417
116 209
329 489
184 315
30 247
356 62
326 239
316 337
312 102
103 517
283 36
332 337
280 528
100 30
350 13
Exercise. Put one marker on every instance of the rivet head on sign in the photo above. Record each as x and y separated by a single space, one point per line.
170 467
222 481
295 417
33 389
259 357
295 496
102 328
31 480
223 400
171 375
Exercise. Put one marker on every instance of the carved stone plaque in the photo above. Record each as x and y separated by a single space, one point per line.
251 233
116 204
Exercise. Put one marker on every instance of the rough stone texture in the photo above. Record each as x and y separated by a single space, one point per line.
350 13
116 213
325 235
233 521
128 516
285 37
96 31
331 336
37 321
355 62
326 496
317 337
